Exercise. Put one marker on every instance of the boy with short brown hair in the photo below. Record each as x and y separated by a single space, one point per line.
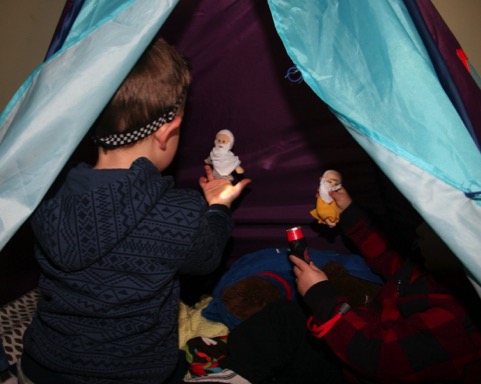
115 237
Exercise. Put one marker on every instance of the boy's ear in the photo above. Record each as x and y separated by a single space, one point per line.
166 130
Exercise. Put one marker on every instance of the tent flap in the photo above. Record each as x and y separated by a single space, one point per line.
57 102
368 63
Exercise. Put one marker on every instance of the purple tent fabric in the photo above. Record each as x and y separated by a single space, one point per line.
67 18
285 135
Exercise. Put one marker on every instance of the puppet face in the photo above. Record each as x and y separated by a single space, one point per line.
222 141
331 180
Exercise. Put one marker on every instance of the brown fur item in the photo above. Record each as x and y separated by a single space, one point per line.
248 296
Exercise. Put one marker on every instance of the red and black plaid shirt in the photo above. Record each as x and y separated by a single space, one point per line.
413 331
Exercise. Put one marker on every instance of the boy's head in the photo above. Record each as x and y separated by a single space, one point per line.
152 94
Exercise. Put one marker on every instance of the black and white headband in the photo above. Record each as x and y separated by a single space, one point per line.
115 140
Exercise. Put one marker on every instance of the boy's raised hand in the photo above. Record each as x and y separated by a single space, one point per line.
220 191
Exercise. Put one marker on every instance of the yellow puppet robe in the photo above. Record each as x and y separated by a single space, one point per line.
326 213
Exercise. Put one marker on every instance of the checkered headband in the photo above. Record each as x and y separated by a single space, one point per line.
130 136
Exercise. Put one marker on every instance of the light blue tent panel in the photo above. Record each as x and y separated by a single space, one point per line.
366 60
52 111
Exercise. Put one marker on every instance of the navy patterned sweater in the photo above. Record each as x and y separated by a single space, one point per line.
111 244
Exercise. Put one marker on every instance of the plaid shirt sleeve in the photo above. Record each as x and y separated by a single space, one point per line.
413 331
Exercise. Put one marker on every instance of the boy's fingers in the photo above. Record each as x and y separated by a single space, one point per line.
208 172
301 264
242 184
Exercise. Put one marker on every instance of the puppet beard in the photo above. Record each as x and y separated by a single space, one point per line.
223 160
324 189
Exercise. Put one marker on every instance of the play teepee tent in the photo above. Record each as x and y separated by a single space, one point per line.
276 74
389 97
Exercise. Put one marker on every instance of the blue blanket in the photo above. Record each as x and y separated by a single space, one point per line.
273 264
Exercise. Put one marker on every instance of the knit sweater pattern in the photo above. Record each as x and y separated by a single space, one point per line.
110 254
